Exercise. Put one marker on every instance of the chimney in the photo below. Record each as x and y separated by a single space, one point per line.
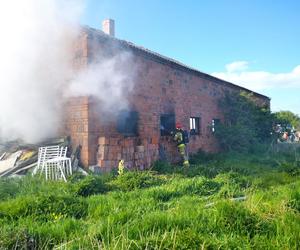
108 27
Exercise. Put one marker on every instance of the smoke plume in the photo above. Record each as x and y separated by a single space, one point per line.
110 80
35 64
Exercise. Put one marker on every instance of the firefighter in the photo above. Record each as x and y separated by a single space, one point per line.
181 138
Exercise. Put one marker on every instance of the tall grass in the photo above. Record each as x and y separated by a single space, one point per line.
165 208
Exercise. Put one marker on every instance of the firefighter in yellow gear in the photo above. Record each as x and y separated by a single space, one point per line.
181 145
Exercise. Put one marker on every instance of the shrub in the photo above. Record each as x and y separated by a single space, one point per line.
245 123
287 117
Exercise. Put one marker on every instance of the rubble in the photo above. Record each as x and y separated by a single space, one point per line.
2 156
8 164
18 159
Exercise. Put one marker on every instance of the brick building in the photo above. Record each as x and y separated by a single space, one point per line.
165 91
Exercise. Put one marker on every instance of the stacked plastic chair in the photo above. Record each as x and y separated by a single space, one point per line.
53 163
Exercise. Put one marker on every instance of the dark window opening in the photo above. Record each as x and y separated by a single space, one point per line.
127 123
195 125
167 124
214 124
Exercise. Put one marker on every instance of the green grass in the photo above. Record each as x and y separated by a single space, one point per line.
166 208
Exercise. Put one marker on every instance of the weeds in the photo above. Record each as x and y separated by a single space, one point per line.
90 185
165 208
135 180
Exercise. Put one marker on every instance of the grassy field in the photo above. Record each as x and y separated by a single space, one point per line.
229 201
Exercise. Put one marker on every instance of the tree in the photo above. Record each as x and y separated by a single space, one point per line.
245 122
286 118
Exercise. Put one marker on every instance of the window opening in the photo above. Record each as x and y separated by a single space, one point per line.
127 123
167 124
195 125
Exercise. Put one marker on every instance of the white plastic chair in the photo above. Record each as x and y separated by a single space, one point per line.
52 162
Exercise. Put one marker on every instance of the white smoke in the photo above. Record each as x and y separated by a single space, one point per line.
110 80
35 63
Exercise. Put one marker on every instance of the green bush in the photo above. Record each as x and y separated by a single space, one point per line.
245 123
287 117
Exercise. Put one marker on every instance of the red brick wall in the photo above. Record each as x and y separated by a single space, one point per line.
80 48
159 89
76 125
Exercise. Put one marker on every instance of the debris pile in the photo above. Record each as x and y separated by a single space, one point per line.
17 158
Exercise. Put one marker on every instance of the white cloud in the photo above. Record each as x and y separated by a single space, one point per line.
283 88
237 66
239 73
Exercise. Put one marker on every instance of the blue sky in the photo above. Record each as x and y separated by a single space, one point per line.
253 43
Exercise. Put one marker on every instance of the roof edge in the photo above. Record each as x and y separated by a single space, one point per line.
166 60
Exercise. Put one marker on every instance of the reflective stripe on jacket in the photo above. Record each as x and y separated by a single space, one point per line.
178 137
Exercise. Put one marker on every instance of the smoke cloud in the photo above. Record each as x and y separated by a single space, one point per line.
36 68
110 81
